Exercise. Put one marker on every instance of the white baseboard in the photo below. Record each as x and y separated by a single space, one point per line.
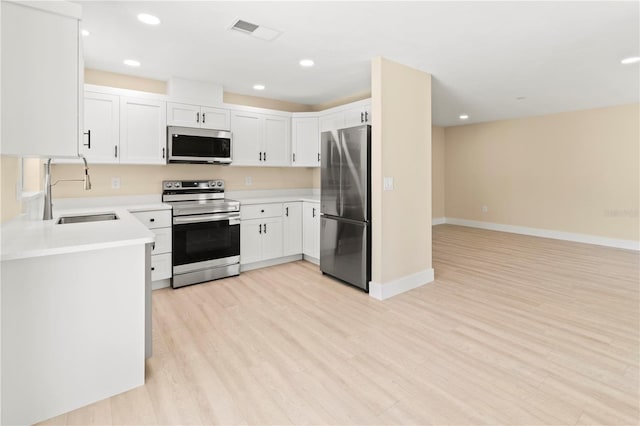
547 233
401 285
157 285
438 220
313 260
270 262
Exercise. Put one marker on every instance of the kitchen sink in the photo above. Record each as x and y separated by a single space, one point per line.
87 218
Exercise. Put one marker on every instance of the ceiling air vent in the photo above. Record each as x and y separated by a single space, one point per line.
244 26
257 31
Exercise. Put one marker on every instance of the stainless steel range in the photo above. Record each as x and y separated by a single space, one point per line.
206 231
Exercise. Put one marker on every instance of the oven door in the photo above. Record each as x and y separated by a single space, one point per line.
187 145
205 241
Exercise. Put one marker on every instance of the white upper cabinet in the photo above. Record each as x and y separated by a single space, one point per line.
41 79
354 115
101 127
215 118
186 115
357 116
305 142
143 128
260 139
332 121
277 138
247 134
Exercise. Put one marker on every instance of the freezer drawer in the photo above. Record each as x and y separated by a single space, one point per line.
345 251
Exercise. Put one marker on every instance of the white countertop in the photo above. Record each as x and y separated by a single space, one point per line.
278 199
25 238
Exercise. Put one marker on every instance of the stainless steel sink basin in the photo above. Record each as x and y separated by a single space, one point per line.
87 218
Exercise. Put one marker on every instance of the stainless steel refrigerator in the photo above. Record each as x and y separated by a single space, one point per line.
345 205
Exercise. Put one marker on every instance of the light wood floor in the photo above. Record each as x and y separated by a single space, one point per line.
515 330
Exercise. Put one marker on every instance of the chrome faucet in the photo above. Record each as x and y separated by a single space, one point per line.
48 205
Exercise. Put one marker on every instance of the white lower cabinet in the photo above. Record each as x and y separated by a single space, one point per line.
260 239
292 228
159 222
311 229
272 231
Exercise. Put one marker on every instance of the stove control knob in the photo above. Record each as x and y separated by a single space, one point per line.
219 183
212 184
177 185
168 184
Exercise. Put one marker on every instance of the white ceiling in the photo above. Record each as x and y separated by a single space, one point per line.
561 56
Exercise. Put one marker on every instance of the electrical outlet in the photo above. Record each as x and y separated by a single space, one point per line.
248 181
388 183
115 183
485 209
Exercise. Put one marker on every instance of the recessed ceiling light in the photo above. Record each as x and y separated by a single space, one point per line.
521 98
258 86
131 62
463 117
307 63
85 33
630 60
148 19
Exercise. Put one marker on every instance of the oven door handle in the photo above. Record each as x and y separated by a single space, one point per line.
233 219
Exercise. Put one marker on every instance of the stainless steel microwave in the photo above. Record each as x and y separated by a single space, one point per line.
192 145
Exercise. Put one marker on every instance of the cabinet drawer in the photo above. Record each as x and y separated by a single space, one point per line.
163 241
259 211
160 266
155 219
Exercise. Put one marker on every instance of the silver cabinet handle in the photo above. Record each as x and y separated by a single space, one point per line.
203 118
197 117
116 151
362 117
265 228
163 152
260 156
260 229
366 117
318 157
294 157
265 156
313 213
286 209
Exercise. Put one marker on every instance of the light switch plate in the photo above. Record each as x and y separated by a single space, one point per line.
248 181
115 183
388 183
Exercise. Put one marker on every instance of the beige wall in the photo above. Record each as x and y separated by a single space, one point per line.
138 180
342 101
575 172
437 171
256 101
123 81
401 148
9 173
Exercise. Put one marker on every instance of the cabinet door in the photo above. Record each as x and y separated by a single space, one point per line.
41 77
310 221
215 118
271 238
246 130
332 122
101 128
183 115
354 117
292 228
250 241
143 131
305 142
277 140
